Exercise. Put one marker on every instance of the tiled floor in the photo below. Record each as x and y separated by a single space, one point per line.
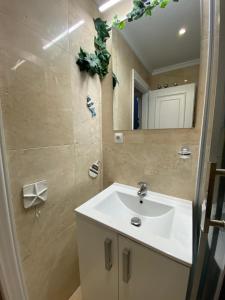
76 295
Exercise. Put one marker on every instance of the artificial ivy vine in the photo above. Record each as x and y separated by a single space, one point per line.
98 62
140 8
115 80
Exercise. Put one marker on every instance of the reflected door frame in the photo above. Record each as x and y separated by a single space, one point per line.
143 87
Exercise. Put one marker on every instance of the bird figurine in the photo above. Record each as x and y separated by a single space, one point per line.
91 106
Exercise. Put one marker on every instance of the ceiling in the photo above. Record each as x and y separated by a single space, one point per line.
155 39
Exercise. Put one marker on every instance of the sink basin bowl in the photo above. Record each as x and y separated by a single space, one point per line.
131 203
158 217
166 222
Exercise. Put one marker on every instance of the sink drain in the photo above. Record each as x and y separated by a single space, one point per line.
136 221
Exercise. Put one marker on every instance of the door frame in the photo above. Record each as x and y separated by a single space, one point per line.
11 276
212 92
142 86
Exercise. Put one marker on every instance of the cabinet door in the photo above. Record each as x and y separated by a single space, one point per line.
146 275
98 261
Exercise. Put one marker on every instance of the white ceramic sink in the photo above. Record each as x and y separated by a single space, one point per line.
166 222
123 206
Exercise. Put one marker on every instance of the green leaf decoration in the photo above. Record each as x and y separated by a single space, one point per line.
148 11
102 29
137 11
116 23
114 80
140 9
164 3
98 62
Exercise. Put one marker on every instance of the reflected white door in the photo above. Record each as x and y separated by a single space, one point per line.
172 107
169 112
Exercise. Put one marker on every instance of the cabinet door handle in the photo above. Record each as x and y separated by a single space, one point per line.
108 254
126 265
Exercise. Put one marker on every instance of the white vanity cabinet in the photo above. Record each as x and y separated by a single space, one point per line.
113 267
150 274
99 278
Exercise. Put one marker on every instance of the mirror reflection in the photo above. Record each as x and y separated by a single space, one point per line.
156 63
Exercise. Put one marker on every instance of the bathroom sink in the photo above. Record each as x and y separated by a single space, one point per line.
126 203
123 206
165 221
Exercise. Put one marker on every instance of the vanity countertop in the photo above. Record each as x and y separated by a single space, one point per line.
166 221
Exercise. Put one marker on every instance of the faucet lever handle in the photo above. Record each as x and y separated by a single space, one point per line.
143 184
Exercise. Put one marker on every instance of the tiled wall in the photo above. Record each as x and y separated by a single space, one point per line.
49 133
151 155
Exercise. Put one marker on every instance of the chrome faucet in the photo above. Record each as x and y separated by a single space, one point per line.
142 192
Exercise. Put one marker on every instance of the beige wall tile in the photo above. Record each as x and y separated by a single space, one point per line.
84 36
49 19
87 130
77 295
51 270
54 165
85 156
159 165
36 100
29 125
49 133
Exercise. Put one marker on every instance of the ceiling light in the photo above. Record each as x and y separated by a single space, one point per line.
182 31
107 5
63 34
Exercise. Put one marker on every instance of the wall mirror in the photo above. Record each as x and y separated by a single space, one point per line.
156 61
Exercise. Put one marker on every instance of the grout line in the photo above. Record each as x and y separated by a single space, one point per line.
41 147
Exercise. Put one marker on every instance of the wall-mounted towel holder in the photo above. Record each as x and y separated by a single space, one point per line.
184 152
94 169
